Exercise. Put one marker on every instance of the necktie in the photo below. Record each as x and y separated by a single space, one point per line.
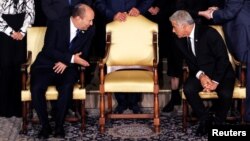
70 2
71 45
189 46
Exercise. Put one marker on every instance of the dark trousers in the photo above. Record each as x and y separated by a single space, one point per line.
40 80
224 90
127 100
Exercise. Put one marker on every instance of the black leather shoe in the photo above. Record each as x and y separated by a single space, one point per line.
119 109
169 107
136 109
204 127
45 132
59 133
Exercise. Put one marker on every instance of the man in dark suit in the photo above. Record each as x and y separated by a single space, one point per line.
236 25
56 9
64 49
209 68
119 10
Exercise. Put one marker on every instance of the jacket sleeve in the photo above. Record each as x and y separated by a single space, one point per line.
144 5
219 51
230 10
101 7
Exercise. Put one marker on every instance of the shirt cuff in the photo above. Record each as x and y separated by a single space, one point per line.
198 74
8 31
211 15
72 59
215 82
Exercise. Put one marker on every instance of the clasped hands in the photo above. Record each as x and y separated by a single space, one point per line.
208 13
60 67
207 84
17 35
121 16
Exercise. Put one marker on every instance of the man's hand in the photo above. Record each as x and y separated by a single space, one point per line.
154 10
59 67
205 80
211 87
206 13
134 12
120 16
17 35
80 61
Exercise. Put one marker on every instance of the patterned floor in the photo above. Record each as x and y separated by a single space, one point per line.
116 130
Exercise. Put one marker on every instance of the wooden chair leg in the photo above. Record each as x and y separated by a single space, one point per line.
25 118
184 115
109 102
83 114
102 112
156 113
242 110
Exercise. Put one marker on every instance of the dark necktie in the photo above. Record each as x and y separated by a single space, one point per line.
71 45
70 2
189 45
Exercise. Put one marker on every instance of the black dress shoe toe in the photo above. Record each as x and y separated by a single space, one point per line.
59 133
136 110
45 132
168 108
119 110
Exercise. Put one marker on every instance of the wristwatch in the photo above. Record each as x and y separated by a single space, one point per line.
11 32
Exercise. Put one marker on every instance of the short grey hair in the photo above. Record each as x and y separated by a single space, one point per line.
182 17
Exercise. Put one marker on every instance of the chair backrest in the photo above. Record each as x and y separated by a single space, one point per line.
131 42
35 40
220 31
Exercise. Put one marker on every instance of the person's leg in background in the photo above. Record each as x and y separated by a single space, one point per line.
175 71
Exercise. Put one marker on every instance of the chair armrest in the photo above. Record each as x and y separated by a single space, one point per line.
102 63
242 72
24 70
185 71
25 65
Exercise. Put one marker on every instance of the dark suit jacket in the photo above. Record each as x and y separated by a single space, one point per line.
56 45
55 9
236 24
110 7
211 54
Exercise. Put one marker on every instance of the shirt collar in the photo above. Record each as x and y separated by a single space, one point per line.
72 27
192 33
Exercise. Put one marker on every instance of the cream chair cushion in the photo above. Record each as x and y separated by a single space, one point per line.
52 94
129 81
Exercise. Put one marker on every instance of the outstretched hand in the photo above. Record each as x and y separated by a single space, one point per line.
79 60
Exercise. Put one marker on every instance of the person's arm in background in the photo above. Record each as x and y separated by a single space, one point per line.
192 7
102 8
144 5
4 27
29 17
230 10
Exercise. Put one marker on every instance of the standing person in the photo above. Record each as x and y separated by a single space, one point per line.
54 11
209 68
159 13
236 26
119 10
66 46
15 17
